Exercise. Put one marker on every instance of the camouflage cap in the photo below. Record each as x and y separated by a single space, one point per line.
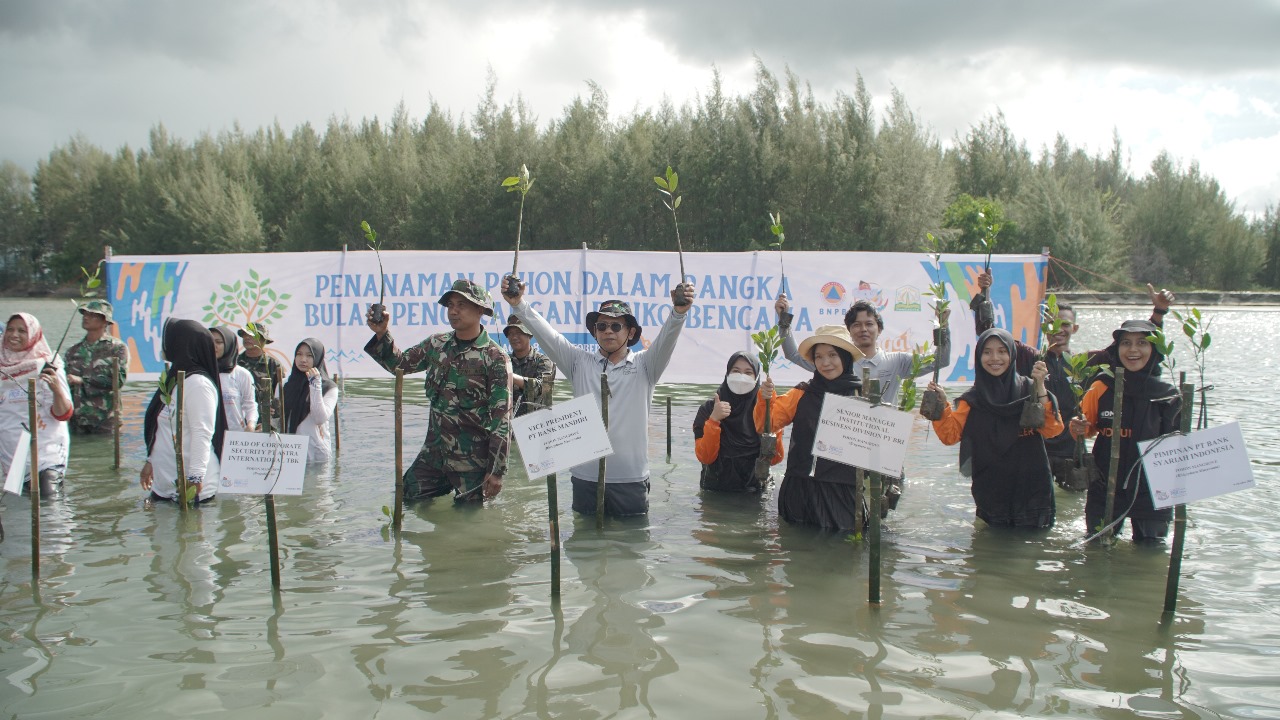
99 307
513 322
473 293
617 309
262 330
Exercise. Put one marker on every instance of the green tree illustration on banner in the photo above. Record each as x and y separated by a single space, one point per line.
245 301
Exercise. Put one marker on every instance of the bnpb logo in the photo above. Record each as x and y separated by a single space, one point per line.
833 292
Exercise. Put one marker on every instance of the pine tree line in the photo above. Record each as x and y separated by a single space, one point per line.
844 176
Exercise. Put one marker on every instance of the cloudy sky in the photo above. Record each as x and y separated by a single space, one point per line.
1196 78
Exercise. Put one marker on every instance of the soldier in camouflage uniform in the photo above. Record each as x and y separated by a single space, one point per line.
89 370
534 375
262 366
468 385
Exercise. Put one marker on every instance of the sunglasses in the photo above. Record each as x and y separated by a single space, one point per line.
614 326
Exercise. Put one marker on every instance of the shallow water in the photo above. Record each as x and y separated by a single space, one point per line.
709 607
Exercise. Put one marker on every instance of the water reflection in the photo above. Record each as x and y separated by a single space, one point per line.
615 657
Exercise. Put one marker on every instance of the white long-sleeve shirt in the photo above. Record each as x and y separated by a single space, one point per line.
200 414
51 434
316 424
239 400
631 383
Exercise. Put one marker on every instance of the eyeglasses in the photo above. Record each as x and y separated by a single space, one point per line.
614 326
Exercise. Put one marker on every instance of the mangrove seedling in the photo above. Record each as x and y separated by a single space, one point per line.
768 343
379 310
921 356
938 288
1196 327
775 227
518 183
667 186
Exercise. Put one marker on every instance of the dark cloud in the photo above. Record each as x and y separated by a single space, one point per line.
187 32
1181 35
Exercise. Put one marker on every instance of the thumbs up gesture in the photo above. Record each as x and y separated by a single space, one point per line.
719 409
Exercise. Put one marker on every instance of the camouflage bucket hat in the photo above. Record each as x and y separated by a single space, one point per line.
266 333
472 293
100 307
513 322
616 309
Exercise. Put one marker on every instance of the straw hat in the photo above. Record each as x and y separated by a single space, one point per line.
834 335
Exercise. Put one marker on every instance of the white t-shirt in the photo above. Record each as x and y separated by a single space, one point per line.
200 409
52 435
316 424
239 400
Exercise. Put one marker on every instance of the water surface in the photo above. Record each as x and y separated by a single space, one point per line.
710 607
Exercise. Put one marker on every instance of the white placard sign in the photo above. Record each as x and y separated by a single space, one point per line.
560 437
1184 468
19 467
262 464
855 432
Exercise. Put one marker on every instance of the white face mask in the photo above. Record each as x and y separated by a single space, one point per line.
740 383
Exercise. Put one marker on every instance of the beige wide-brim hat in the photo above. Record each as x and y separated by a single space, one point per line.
834 335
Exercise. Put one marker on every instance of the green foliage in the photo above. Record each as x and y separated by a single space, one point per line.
1164 345
938 288
1078 369
250 300
1050 323
1196 327
768 343
852 177
921 356
667 186
89 288
371 237
519 183
775 227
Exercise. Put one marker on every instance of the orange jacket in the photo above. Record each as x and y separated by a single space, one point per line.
951 426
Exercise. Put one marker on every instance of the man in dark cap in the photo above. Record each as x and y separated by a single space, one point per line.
89 370
468 384
262 366
632 376
533 374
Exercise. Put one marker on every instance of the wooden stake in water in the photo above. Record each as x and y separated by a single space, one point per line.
32 421
604 415
873 529
337 425
1113 470
668 427
397 516
553 510
273 540
1179 512
115 407
177 441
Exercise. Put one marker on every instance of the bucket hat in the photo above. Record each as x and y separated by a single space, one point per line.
615 309
472 293
99 307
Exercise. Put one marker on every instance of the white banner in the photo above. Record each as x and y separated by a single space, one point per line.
560 437
324 295
1182 469
853 431
262 464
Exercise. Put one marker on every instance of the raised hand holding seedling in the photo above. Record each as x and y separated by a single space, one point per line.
667 186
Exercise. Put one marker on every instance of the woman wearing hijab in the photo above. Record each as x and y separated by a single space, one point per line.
1012 484
25 355
1151 408
187 347
309 399
726 436
829 496
239 397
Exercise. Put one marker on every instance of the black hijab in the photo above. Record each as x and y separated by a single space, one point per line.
999 397
230 348
187 346
738 435
804 426
297 391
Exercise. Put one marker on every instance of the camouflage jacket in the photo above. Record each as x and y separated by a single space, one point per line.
539 375
262 367
92 397
469 389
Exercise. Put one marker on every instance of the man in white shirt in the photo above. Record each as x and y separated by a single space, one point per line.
632 377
